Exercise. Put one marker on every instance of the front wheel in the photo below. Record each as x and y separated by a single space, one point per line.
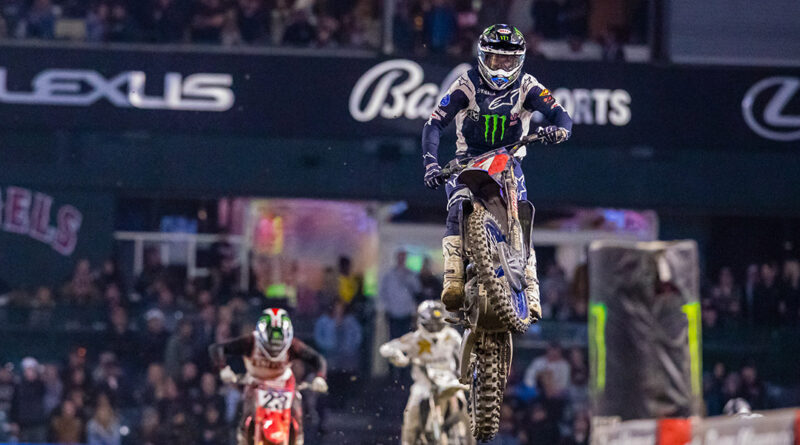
483 236
489 371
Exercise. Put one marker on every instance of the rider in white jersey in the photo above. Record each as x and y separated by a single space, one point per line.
434 345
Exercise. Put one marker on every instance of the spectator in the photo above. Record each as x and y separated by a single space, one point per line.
726 295
397 292
431 285
205 325
338 336
121 26
66 427
403 30
76 360
790 294
554 289
224 273
7 388
168 399
208 22
80 289
150 431
40 21
109 379
752 388
155 337
167 21
97 22
552 361
579 435
27 407
712 390
152 270
109 274
112 297
43 305
180 349
209 393
767 296
154 384
254 21
440 26
751 283
103 428
300 31
181 430
613 50
54 389
123 341
349 283
540 429
212 429
167 304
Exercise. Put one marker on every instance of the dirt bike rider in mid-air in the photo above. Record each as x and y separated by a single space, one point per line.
432 344
268 353
492 105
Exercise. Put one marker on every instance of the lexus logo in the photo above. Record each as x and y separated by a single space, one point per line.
765 107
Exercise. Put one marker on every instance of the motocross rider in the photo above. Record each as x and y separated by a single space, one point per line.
492 105
434 345
268 352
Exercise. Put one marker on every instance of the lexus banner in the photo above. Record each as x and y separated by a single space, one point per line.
613 105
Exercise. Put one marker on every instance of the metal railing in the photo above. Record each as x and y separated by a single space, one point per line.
182 248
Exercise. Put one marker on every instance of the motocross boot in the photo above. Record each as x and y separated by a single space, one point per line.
532 291
453 286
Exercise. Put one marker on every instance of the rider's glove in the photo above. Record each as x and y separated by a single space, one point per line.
227 375
319 385
555 135
433 176
399 359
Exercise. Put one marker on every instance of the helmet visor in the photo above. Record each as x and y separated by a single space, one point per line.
504 62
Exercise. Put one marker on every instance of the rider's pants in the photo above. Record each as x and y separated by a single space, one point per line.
457 193
413 420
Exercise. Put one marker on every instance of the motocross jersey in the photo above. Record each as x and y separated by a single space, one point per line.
487 119
264 367
436 350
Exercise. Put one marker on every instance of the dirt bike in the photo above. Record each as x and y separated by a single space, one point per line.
496 235
443 426
272 423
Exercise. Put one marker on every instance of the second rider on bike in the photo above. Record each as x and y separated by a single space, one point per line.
492 105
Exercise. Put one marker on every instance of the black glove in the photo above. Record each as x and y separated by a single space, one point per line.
433 176
554 135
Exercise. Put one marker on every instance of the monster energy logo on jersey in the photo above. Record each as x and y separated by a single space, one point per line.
490 122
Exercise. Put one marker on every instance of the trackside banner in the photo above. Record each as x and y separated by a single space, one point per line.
780 427
613 105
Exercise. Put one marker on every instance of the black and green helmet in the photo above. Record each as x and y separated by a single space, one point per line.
501 52
274 332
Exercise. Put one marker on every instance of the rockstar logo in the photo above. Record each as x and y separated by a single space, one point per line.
424 346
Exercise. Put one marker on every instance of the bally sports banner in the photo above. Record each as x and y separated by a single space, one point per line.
43 233
613 105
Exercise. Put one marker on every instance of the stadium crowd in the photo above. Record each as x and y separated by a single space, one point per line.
419 26
146 376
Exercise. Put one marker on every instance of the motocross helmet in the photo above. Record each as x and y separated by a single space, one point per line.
501 52
430 316
274 332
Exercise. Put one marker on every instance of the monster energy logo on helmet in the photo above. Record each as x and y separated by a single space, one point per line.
490 124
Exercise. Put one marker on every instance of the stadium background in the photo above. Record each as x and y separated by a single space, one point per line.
137 226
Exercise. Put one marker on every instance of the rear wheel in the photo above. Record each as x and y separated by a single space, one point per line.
483 234
489 372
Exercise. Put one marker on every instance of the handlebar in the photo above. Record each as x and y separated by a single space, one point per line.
455 166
